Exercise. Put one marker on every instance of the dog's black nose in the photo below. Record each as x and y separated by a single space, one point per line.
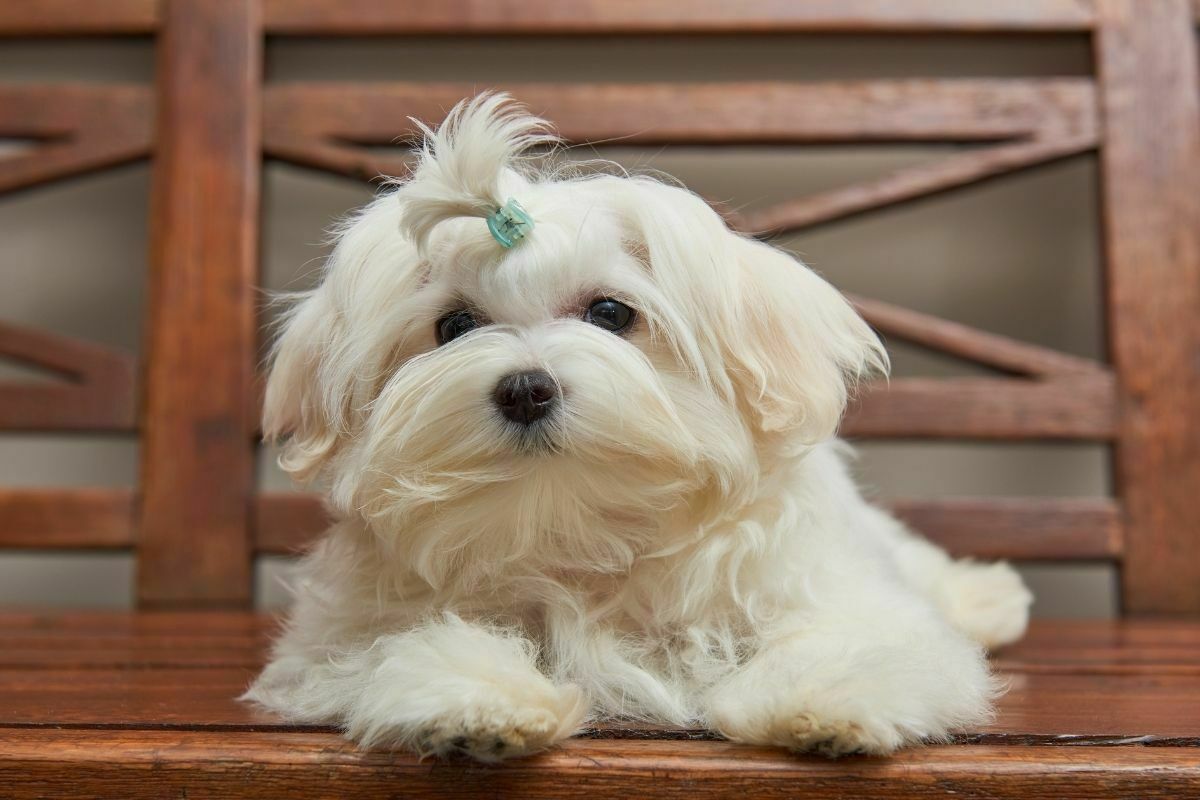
525 397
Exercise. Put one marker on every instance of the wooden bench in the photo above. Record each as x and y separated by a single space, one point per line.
142 704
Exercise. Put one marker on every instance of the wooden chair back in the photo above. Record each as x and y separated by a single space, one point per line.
197 519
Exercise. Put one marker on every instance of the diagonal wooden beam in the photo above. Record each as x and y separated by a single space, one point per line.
980 347
98 390
337 157
81 128
914 182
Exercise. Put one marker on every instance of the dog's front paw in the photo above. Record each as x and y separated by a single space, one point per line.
493 731
490 724
809 726
836 697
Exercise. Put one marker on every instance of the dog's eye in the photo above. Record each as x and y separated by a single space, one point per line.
454 325
610 315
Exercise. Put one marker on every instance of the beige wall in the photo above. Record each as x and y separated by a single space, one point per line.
1017 255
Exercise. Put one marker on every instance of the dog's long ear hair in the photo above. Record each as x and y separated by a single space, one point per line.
798 348
791 347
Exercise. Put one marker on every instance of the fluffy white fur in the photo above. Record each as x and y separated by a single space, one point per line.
678 542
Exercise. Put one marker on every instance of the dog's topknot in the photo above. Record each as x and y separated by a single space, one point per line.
462 161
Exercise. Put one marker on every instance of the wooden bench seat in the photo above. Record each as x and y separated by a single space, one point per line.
142 704
106 701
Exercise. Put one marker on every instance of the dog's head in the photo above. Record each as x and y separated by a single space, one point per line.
630 355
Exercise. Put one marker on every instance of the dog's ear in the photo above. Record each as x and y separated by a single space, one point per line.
334 341
796 348
295 410
759 323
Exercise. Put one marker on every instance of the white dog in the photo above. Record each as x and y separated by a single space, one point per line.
595 475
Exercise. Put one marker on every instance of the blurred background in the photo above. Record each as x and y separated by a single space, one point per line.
1017 255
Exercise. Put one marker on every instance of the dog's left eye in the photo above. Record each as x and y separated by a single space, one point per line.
611 315
454 325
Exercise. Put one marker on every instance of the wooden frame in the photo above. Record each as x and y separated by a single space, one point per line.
196 520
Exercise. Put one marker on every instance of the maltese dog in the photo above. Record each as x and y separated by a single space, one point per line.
579 440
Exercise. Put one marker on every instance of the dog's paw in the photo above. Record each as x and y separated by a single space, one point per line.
805 732
796 726
836 696
987 602
489 724
493 732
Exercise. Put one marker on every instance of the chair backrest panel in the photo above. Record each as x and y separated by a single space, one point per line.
197 520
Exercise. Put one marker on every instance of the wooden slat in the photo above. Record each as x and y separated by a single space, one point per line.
980 347
97 393
1040 708
1024 528
256 764
46 519
1146 646
77 17
198 459
357 17
1146 55
1081 407
311 123
910 183
287 522
104 639
182 640
98 622
366 17
84 128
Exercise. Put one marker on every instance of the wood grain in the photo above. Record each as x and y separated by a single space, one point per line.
46 519
95 389
1020 528
318 125
313 122
77 128
285 523
457 17
1146 57
910 183
198 458
1002 353
365 17
77 17
1041 707
1095 682
253 765
1081 407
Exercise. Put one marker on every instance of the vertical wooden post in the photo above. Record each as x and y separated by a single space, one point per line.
198 457
1146 62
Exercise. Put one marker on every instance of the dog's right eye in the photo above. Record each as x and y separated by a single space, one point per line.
454 325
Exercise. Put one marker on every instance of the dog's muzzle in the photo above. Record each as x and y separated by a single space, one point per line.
526 397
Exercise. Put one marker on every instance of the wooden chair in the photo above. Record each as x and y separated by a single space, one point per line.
142 704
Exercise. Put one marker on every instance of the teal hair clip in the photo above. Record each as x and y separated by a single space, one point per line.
510 223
